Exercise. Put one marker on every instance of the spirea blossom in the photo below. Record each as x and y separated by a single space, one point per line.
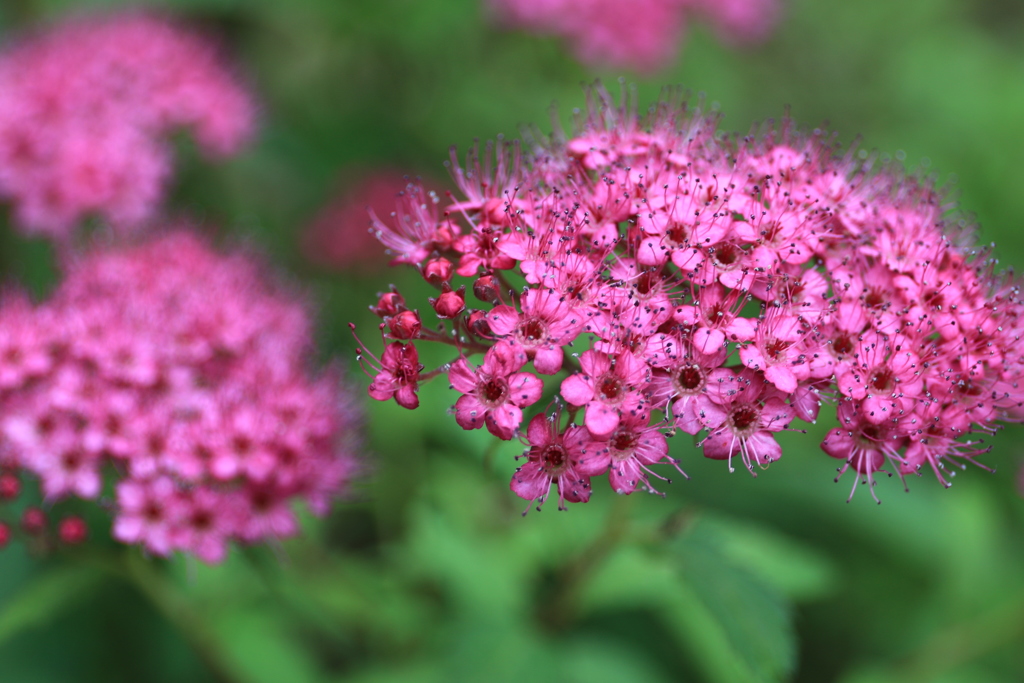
666 277
183 376
641 34
86 111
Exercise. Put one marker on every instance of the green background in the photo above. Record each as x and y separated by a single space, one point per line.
428 572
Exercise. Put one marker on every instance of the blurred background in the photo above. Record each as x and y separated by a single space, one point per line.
428 572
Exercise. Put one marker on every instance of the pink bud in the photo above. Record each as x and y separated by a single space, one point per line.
405 325
390 303
438 271
72 530
33 521
486 289
445 236
450 303
10 486
495 211
5 535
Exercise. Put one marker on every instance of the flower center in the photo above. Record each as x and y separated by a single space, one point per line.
882 380
609 389
622 445
745 419
775 349
727 255
677 235
843 344
690 379
554 459
875 298
493 392
646 283
532 331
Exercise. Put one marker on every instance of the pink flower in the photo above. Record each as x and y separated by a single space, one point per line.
627 454
609 387
546 323
553 458
495 393
398 376
741 416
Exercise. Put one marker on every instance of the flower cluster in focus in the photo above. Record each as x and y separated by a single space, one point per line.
184 373
86 109
642 34
652 275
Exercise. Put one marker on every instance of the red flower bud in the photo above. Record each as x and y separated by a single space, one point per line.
486 289
438 271
33 521
478 324
5 535
72 530
405 325
450 303
10 486
390 303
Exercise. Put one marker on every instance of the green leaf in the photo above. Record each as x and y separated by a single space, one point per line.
734 625
799 571
740 619
45 597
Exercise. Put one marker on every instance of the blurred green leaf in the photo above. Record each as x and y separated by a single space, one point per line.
796 569
45 597
734 625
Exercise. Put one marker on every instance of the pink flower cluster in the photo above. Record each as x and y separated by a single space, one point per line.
641 34
678 279
86 109
185 373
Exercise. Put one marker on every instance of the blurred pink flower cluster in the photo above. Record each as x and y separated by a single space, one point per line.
86 110
641 34
340 237
670 278
185 372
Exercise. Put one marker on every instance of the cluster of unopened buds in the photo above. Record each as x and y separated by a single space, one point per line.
672 278
33 523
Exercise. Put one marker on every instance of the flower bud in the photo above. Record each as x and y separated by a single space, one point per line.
495 211
390 303
33 521
446 235
72 530
450 303
486 289
10 486
405 325
5 535
438 271
478 324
